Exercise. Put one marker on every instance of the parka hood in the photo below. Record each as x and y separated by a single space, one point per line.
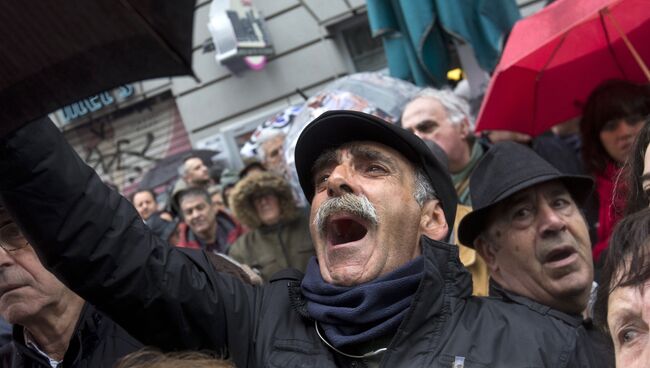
241 198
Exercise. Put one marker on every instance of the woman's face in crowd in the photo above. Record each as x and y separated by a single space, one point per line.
628 319
617 137
268 209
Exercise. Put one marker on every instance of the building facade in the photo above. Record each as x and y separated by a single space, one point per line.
123 133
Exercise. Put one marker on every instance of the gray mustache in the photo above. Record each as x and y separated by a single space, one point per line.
358 206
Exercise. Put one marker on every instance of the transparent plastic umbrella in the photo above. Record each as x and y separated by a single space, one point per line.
373 93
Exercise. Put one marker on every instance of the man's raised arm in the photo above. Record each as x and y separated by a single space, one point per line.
93 239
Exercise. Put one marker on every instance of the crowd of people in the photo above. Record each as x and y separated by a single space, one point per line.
250 217
424 244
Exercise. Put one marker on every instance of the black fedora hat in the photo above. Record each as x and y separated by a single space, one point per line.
506 169
334 128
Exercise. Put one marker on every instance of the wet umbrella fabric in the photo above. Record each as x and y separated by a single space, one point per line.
415 51
417 34
556 57
53 53
374 93
484 24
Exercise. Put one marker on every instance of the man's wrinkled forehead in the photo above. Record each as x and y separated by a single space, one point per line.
371 151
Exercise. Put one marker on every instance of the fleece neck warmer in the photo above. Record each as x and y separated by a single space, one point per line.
359 314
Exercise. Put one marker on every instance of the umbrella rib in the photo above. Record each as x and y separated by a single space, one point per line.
609 43
628 44
539 75
161 40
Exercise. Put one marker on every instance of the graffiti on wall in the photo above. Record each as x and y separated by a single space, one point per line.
124 149
118 156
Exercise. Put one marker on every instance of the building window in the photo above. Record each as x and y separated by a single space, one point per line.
364 52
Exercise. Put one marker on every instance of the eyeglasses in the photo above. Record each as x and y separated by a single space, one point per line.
11 238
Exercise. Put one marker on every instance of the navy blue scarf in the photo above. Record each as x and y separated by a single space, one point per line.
358 314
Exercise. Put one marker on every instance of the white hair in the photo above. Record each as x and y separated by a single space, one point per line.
423 189
456 107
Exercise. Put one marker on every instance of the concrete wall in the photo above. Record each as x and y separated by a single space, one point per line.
306 58
220 105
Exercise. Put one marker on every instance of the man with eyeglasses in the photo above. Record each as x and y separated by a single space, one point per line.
52 326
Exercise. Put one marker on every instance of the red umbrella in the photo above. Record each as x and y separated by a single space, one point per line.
555 58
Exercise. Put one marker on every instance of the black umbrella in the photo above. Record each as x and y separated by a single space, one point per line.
53 53
166 170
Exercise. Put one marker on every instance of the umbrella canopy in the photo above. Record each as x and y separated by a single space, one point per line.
417 34
555 58
53 53
166 170
372 93
279 123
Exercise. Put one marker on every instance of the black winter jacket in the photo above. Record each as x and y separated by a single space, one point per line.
94 240
97 342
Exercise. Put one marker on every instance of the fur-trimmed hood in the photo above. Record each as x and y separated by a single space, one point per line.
242 203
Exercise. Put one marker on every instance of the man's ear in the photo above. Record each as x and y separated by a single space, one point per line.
486 250
464 128
433 223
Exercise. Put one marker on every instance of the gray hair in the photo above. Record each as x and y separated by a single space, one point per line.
423 189
182 169
193 192
456 107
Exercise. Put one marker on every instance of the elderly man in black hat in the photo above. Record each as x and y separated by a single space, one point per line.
385 288
528 226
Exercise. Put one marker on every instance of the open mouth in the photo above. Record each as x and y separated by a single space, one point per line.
6 289
626 147
559 254
197 222
345 230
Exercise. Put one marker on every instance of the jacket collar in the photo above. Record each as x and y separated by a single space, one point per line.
498 291
443 276
84 338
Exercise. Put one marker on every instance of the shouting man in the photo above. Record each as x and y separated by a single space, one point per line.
385 288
